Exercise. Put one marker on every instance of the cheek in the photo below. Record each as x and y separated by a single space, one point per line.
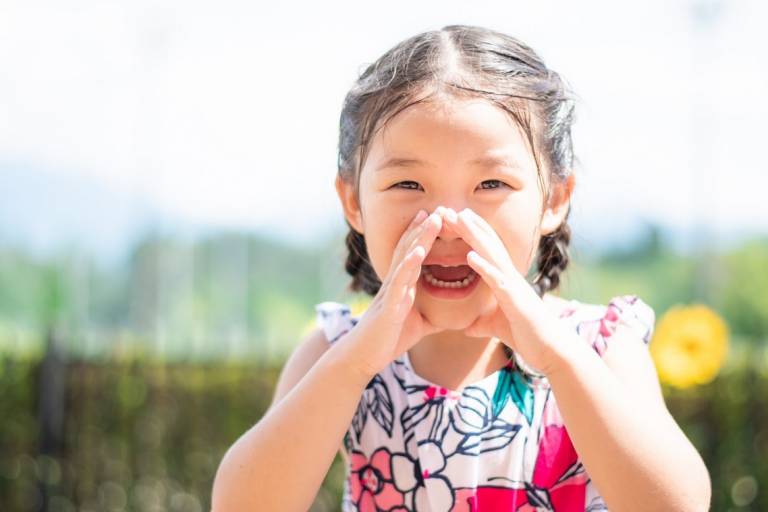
518 238
381 240
385 223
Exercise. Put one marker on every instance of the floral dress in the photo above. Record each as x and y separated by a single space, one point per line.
498 444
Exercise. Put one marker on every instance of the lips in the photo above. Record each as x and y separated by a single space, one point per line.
445 261
454 273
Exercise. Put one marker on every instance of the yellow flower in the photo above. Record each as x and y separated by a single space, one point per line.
689 345
359 305
308 327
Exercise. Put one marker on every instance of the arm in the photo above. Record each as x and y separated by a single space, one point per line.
280 463
629 443
309 351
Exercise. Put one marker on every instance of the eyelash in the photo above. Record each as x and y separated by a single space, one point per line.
493 188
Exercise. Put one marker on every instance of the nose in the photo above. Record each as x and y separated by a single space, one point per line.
447 233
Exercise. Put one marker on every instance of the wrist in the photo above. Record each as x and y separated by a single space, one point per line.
563 355
342 360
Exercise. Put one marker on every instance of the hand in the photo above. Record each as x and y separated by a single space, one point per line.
391 325
520 319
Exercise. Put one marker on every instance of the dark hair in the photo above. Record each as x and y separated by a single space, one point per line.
470 62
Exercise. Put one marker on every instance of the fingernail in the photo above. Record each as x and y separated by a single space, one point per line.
421 215
451 214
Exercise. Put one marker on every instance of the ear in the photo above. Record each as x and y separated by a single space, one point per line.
555 212
346 192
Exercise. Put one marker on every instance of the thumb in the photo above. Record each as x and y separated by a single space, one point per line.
478 328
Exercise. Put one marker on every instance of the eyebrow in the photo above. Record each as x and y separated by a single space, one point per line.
504 160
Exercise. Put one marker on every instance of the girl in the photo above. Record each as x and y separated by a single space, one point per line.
463 386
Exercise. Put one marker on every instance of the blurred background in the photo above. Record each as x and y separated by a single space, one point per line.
168 221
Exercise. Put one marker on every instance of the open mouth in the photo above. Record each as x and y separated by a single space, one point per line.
458 276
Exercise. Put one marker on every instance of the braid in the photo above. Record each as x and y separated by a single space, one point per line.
357 265
553 259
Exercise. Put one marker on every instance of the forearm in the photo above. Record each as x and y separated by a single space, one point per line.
637 456
280 463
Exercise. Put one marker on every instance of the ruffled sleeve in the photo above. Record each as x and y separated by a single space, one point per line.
334 318
630 310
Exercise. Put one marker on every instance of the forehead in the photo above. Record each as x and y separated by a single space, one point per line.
466 130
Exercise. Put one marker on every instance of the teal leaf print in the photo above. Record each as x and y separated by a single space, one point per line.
511 384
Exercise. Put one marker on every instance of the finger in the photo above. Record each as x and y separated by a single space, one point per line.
404 277
406 239
480 328
424 234
420 216
473 219
480 221
415 222
476 328
428 233
504 287
477 238
452 216
493 325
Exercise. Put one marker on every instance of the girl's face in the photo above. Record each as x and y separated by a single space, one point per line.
461 154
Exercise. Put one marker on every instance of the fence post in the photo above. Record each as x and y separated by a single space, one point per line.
51 393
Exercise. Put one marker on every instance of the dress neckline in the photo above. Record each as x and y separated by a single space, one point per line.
478 383
561 304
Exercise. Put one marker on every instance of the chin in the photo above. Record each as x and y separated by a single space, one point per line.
450 315
456 315
450 321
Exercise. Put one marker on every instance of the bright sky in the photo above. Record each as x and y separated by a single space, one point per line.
227 113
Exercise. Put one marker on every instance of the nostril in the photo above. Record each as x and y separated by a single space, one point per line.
451 215
447 232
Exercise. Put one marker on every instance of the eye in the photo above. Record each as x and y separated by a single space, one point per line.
500 184
397 185
412 185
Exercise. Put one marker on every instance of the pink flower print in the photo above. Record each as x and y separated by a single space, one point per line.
627 309
422 480
609 320
491 498
558 483
559 479
605 328
432 392
370 482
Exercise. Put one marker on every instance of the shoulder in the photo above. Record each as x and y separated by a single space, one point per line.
621 332
303 357
331 321
627 315
334 319
598 323
634 310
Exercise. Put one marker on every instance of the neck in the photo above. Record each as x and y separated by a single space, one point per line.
453 359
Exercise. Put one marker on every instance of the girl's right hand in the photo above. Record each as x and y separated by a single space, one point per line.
391 325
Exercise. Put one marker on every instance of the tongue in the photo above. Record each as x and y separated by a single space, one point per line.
450 273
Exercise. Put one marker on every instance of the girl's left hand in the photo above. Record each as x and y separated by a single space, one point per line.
520 319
